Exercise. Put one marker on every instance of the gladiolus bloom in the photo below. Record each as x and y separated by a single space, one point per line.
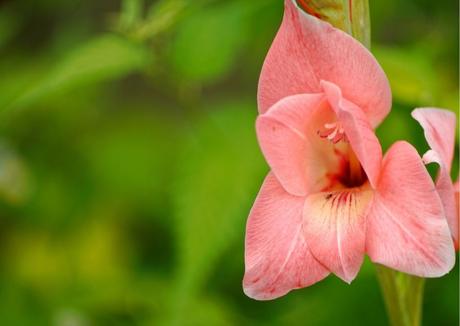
330 197
439 128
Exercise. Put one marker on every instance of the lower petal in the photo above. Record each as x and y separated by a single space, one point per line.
407 230
335 228
277 257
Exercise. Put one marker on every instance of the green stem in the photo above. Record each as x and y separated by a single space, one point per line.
403 296
360 21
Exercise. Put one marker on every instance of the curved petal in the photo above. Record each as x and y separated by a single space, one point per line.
358 130
439 128
446 191
335 228
307 50
277 258
288 138
407 230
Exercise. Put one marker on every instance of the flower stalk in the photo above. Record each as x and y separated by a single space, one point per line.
403 296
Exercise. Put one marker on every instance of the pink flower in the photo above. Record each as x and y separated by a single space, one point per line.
330 197
439 127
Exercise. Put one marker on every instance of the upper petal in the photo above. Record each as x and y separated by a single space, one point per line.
335 228
277 258
407 230
358 130
307 50
288 138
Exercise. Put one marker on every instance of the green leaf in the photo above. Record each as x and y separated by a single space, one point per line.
208 42
131 12
102 58
162 15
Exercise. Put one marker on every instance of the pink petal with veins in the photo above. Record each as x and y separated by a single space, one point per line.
288 136
335 229
277 258
307 50
406 229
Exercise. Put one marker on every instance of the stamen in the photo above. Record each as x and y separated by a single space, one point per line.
334 132
332 135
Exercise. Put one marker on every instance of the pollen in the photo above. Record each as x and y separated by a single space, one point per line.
333 132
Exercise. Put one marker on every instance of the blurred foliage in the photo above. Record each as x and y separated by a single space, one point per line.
129 162
102 58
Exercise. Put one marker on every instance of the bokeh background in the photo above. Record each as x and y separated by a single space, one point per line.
129 162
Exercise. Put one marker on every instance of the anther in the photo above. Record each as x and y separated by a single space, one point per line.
334 132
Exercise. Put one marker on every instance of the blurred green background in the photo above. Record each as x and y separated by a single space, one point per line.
129 162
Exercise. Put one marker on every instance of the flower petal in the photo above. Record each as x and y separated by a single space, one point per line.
288 137
446 192
277 258
335 228
407 230
439 128
358 130
307 50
